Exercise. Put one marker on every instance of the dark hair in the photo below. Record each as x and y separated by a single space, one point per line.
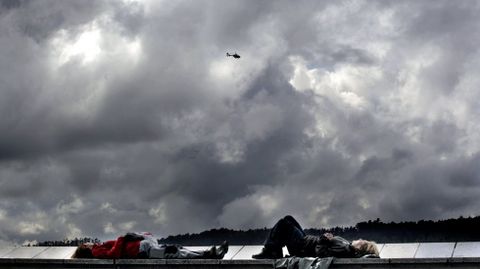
82 252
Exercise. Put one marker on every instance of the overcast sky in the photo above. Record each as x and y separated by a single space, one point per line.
120 116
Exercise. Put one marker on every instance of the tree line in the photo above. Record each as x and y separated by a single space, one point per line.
67 242
450 230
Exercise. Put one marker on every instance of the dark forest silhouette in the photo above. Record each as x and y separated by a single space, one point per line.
451 230
68 242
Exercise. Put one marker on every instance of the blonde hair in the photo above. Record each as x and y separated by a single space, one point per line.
368 247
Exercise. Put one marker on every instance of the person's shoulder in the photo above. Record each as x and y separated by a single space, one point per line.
311 237
339 238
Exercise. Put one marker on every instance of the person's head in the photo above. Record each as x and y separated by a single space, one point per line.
83 251
364 247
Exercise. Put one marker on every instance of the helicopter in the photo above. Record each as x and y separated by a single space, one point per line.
235 55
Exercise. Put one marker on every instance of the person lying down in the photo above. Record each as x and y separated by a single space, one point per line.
288 232
144 246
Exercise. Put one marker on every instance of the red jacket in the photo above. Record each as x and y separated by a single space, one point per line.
115 249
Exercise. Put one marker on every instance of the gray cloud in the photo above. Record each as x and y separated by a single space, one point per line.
128 113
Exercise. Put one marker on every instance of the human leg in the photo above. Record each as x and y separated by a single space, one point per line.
293 221
212 253
294 238
286 232
184 253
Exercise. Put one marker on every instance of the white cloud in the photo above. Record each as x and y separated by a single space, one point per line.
158 213
86 46
73 231
127 226
3 214
30 228
29 243
108 207
75 206
108 228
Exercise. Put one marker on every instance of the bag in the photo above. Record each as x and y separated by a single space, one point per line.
303 263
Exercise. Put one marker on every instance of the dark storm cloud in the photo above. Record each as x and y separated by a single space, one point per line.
435 190
10 4
128 113
39 19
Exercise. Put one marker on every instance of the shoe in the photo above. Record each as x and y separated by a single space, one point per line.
217 252
222 250
269 253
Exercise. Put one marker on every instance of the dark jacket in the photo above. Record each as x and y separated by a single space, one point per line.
321 246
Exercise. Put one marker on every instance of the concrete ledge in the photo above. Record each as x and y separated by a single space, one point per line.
408 263
232 264
13 263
